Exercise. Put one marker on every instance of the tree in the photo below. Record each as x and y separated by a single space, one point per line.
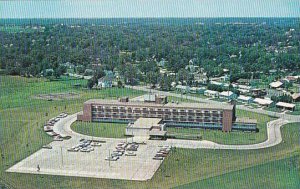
120 84
152 77
130 74
90 83
165 83
182 75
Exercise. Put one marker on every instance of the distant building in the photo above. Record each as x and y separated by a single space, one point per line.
197 90
212 94
296 97
228 95
273 71
245 99
243 81
106 81
263 102
292 78
162 63
276 84
286 106
187 115
183 88
258 92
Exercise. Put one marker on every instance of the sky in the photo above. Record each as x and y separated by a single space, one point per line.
148 8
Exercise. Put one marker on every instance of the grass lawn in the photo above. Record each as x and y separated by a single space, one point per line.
275 174
107 130
21 134
273 109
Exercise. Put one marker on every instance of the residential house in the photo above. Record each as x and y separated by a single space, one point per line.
106 81
286 106
276 84
245 99
296 97
212 94
183 88
227 95
263 102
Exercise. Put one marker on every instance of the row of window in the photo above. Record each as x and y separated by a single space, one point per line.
122 108
155 115
165 118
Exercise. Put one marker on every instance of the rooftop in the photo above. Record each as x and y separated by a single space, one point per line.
168 105
276 84
242 97
286 105
211 92
226 93
296 96
262 101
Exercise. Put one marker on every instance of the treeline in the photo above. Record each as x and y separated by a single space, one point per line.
134 48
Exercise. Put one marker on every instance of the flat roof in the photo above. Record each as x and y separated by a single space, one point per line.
263 101
168 105
211 92
146 123
242 97
276 84
296 96
286 105
226 93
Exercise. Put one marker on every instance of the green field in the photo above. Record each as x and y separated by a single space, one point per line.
275 174
21 134
106 130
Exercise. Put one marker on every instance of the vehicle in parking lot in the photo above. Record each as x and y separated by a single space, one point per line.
130 154
47 147
110 158
158 158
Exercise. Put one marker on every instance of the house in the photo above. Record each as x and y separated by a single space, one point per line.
210 93
276 84
246 87
193 90
258 92
216 83
243 81
106 81
183 88
162 63
228 95
273 71
197 90
286 106
263 102
292 78
296 97
245 99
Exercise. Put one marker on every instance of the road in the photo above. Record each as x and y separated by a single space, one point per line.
63 127
290 118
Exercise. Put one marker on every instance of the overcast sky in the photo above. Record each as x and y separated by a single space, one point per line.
148 8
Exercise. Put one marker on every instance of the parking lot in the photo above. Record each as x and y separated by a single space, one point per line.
60 161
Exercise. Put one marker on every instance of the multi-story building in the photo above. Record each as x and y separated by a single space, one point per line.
200 115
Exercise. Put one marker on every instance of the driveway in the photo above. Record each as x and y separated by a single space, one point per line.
63 127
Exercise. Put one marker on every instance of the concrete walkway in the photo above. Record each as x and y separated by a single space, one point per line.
63 127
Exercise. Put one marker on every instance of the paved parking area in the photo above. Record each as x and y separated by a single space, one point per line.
58 161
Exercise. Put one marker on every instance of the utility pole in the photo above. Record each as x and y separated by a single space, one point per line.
109 157
62 160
